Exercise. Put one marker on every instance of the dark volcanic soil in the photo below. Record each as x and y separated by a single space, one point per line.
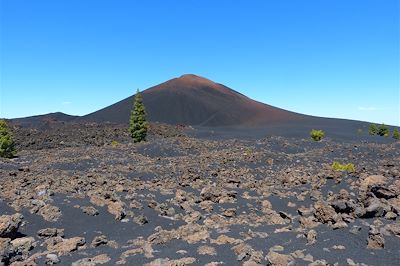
186 197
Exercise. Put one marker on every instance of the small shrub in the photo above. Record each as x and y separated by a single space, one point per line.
249 151
114 143
396 134
373 129
317 135
349 167
7 145
359 131
383 131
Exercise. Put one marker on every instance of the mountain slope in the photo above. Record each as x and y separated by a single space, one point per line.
40 120
193 100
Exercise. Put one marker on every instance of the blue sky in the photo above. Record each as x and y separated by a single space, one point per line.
326 58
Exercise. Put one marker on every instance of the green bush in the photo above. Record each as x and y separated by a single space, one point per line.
343 167
373 129
114 143
383 131
317 135
138 124
7 145
396 134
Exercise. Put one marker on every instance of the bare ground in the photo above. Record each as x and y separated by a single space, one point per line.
179 199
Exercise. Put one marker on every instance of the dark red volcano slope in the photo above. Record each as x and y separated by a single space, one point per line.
43 120
193 100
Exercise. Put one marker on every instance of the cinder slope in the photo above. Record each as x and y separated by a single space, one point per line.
193 100
40 120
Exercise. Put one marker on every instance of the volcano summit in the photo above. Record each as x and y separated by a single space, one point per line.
197 101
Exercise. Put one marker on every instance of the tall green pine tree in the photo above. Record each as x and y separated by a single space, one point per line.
138 124
7 145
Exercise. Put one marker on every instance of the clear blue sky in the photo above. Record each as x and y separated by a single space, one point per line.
336 58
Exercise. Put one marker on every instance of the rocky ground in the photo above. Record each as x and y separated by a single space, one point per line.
86 195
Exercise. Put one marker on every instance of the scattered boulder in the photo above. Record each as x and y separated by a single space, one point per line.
140 219
217 194
50 213
393 228
9 224
308 222
338 247
168 262
161 237
180 196
344 206
193 233
276 259
21 247
67 245
371 181
376 242
224 239
375 208
395 204
114 206
319 263
52 259
303 211
6 251
324 212
99 259
277 248
339 224
390 215
90 210
266 206
383 192
311 237
50 232
375 238
134 204
242 251
206 250
99 240
117 208
231 212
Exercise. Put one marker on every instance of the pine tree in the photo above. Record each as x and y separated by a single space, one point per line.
7 145
138 124
383 130
396 134
373 129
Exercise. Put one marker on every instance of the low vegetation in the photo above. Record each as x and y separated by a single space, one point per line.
349 167
381 130
138 124
373 129
7 146
396 134
114 143
317 135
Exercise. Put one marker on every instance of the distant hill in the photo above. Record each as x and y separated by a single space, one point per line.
193 100
43 120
